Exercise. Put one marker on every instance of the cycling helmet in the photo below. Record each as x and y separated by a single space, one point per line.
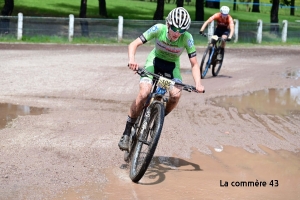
180 18
225 10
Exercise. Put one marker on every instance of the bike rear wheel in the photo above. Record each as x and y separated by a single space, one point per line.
205 63
217 66
147 142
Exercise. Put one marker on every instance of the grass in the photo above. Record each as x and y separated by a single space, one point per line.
138 9
134 9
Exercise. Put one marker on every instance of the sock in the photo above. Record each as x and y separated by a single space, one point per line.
130 122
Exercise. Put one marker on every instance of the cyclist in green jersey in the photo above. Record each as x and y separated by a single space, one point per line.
171 39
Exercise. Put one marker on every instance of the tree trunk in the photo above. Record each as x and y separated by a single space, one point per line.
159 13
82 14
292 11
255 6
234 4
102 8
6 11
274 17
179 3
199 10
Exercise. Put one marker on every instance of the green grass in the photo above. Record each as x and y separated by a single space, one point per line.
138 9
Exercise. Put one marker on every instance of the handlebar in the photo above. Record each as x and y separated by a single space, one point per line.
188 88
219 38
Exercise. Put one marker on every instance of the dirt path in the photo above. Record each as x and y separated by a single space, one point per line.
70 151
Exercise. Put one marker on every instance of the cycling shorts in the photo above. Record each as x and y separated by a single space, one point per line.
220 31
168 69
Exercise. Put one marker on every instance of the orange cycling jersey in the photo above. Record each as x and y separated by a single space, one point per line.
223 23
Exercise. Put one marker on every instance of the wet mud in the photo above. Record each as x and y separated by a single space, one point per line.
64 108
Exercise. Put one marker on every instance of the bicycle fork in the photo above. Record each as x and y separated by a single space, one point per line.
211 55
144 126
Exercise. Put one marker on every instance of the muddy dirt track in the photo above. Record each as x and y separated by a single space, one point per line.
209 146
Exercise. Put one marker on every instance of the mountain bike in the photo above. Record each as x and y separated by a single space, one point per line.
148 126
210 56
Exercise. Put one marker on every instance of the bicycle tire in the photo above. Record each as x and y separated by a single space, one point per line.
151 134
205 62
217 66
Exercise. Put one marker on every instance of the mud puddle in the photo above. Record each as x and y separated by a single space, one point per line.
275 175
283 102
8 112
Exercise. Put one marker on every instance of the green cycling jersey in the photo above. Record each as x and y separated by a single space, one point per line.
166 49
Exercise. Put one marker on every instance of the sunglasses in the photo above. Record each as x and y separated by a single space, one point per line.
177 29
224 15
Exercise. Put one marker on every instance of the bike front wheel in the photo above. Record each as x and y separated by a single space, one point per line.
149 135
217 66
206 62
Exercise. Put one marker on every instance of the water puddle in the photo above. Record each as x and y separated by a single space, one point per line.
283 102
8 112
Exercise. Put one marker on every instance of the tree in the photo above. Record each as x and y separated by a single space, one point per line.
102 8
274 17
82 14
255 6
179 3
6 11
234 4
292 11
159 13
199 10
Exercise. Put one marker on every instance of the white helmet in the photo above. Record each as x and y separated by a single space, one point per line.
225 10
180 18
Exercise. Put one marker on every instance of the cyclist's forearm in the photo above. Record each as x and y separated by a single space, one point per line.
231 31
132 49
203 26
196 73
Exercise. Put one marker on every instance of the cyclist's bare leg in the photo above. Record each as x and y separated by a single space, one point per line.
135 109
173 100
223 41
137 104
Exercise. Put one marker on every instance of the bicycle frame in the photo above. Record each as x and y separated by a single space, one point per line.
147 129
212 48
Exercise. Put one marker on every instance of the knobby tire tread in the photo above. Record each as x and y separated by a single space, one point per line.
217 67
134 174
203 65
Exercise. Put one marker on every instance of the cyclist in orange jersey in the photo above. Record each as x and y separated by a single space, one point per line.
225 26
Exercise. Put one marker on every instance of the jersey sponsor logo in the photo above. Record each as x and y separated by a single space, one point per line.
152 29
190 43
168 48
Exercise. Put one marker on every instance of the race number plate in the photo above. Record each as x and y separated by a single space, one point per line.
165 83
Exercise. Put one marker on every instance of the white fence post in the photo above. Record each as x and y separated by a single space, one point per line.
284 30
236 30
20 26
210 31
71 27
120 29
259 31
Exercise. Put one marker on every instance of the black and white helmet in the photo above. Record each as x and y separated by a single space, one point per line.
180 18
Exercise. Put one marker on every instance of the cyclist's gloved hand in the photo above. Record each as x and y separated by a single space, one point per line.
229 39
201 32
